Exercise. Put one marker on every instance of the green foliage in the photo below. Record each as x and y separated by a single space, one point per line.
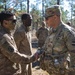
64 16
21 6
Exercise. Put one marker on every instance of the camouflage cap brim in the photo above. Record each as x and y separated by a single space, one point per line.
54 10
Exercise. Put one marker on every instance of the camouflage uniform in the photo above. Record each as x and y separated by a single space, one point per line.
9 55
28 34
59 43
41 34
23 42
26 22
59 47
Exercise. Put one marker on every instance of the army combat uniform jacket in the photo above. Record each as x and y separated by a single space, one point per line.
61 43
9 55
41 34
24 46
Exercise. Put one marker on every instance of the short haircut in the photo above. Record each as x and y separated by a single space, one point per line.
25 16
5 15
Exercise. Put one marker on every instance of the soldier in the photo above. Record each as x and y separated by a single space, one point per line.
59 57
9 54
23 40
42 34
26 23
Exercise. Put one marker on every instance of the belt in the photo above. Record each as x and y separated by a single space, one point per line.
48 57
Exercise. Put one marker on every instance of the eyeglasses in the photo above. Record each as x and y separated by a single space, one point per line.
13 20
46 18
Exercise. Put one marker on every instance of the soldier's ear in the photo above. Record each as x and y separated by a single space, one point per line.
5 23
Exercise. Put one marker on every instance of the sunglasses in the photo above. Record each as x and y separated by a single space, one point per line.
46 18
12 20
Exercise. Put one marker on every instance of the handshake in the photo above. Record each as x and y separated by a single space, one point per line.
32 58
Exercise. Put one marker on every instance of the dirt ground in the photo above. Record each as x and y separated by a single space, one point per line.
38 72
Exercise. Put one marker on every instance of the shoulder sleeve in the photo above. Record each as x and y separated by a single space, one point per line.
69 36
10 52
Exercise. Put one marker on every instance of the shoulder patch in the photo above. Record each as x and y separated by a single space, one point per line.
10 49
7 47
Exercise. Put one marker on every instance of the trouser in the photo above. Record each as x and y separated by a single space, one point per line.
26 69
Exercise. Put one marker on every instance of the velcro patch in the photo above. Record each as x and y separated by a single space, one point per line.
10 49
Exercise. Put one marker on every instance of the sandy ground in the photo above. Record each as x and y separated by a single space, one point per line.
38 72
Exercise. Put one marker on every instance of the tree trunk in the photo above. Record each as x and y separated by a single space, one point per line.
27 6
58 2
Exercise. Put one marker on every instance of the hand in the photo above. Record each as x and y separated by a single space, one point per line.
36 55
25 60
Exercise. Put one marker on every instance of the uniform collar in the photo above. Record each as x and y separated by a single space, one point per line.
55 29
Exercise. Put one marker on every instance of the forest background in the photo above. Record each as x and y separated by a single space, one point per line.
37 9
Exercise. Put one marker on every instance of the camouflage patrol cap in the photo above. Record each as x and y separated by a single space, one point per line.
53 10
